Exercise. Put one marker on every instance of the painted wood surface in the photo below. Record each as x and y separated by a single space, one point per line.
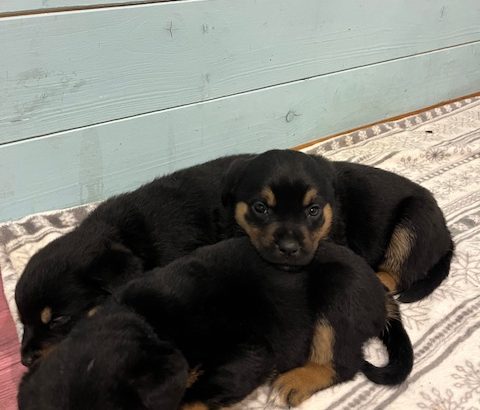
94 162
25 6
61 71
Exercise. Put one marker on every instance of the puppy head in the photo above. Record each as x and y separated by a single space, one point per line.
283 200
111 361
63 282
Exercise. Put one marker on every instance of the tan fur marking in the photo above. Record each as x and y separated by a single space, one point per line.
45 351
324 230
389 281
322 343
194 406
46 315
255 234
298 385
193 376
92 311
309 195
269 196
391 306
398 251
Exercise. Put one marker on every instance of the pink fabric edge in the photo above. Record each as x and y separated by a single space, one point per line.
10 367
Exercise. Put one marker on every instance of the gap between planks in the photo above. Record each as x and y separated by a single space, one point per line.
228 96
99 6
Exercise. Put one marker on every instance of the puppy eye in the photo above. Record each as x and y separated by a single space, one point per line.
59 321
314 210
260 208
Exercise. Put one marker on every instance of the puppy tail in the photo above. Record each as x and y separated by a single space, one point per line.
422 288
399 348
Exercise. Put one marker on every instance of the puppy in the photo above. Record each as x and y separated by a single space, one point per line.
287 202
111 361
122 238
240 321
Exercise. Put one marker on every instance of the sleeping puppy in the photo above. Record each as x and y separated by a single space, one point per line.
111 361
287 202
240 321
122 238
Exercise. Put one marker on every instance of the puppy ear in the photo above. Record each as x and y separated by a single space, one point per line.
326 170
112 266
231 179
164 379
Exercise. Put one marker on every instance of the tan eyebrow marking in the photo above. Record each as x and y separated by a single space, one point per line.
92 311
46 315
269 196
309 195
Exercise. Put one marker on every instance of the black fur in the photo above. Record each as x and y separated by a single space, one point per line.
372 202
367 203
122 238
112 361
242 321
400 353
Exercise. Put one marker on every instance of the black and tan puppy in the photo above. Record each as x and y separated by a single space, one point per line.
111 361
122 238
287 202
241 321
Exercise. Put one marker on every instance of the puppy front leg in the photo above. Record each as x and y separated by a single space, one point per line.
298 385
243 371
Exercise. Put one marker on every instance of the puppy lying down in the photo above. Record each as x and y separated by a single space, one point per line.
110 361
238 322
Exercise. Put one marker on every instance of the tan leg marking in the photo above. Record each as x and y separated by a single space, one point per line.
398 251
322 343
297 385
193 376
389 281
391 306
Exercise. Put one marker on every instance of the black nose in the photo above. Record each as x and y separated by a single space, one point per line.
29 358
288 247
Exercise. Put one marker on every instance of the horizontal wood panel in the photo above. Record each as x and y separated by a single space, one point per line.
26 6
92 163
60 71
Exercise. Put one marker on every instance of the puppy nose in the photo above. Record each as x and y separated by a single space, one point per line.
288 247
29 358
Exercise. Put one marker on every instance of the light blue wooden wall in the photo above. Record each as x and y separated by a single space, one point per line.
94 101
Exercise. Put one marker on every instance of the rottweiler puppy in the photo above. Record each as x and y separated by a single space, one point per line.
125 236
110 361
240 321
287 202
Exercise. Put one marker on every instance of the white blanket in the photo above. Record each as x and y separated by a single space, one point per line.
440 149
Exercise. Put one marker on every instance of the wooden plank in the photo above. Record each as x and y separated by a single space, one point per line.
60 71
24 7
92 163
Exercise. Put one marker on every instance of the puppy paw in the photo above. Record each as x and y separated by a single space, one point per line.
298 385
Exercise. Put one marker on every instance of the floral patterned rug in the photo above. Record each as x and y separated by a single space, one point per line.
439 149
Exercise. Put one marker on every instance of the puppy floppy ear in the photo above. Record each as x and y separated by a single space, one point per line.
326 171
231 179
113 265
